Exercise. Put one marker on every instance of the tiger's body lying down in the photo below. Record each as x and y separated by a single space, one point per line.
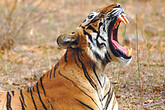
78 80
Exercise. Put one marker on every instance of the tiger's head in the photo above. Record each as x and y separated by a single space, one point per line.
98 36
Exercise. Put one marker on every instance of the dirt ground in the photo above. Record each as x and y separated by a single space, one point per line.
138 86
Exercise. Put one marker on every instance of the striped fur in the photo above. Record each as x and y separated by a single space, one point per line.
78 81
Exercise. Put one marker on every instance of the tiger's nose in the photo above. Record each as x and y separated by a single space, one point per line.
118 5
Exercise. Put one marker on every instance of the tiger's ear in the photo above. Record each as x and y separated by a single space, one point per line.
68 41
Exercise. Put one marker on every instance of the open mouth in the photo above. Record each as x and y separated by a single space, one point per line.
116 48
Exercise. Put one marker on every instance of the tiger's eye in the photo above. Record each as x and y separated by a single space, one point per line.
90 16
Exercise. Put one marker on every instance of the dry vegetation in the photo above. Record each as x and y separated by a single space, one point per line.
28 32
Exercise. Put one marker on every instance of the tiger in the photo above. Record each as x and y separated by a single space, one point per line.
78 80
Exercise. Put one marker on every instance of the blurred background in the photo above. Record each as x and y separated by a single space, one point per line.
28 48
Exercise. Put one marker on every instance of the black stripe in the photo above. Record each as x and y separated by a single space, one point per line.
90 22
99 45
78 88
100 24
102 38
110 94
33 99
104 27
109 55
82 26
97 76
12 93
80 54
50 73
65 56
28 89
76 62
56 68
97 42
47 73
107 93
85 104
90 37
91 28
97 56
108 100
22 97
106 57
42 86
8 104
112 12
23 108
50 105
93 21
40 97
87 75
33 89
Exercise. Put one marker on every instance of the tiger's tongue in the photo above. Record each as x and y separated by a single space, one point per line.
116 44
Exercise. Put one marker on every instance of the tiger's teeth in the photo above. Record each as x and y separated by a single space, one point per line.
129 51
121 19
126 20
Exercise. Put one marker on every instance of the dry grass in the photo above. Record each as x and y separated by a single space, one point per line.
141 85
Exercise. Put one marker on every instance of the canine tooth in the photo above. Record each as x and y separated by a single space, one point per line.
126 20
129 51
124 17
121 19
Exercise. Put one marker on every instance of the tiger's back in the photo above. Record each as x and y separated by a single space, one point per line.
78 81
